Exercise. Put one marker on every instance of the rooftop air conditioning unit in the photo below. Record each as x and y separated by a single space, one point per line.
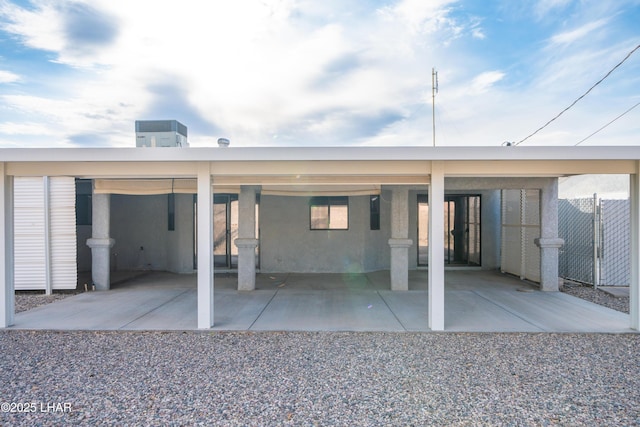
161 133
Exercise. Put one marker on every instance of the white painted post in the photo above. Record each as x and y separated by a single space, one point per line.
246 241
7 291
634 286
436 247
47 235
205 247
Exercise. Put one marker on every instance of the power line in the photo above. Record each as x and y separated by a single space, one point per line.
580 97
583 140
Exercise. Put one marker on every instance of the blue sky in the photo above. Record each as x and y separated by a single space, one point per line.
318 73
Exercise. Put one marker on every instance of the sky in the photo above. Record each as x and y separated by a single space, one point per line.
319 73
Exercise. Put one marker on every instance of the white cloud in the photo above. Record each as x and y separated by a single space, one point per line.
422 16
39 28
9 77
295 71
24 128
484 81
478 33
544 7
251 69
568 37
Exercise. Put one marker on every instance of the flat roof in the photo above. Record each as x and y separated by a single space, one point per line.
259 154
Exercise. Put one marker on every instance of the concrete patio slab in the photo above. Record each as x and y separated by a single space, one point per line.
98 310
475 301
559 312
409 307
327 310
176 314
238 311
469 311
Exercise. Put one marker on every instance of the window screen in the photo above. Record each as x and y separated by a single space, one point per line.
329 213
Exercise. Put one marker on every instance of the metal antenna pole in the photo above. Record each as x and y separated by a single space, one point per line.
434 90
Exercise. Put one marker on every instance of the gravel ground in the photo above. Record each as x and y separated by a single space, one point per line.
597 296
26 300
274 378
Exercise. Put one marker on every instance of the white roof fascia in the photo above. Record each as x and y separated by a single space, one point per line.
258 154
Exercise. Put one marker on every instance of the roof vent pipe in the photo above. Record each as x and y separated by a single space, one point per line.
223 142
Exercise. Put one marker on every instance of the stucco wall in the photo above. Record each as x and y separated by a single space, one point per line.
288 245
377 241
180 241
139 226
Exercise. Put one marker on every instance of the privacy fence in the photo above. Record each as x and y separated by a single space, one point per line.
597 241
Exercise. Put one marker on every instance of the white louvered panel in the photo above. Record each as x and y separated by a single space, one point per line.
532 255
520 227
510 260
29 233
62 222
511 244
532 232
511 207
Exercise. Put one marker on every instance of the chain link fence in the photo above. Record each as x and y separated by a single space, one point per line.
596 237
615 261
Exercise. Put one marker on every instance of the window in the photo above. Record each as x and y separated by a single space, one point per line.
171 212
83 209
329 213
374 212
83 201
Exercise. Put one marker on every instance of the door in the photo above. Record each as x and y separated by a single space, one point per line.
462 230
423 230
225 230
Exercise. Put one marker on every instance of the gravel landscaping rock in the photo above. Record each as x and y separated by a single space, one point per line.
26 300
275 378
597 296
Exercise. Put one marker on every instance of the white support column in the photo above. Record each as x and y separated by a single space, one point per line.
205 247
634 286
436 247
399 241
47 235
7 291
549 242
100 242
246 241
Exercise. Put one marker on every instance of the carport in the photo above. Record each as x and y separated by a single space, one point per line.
399 168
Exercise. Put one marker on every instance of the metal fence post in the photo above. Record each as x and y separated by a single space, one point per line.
596 241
